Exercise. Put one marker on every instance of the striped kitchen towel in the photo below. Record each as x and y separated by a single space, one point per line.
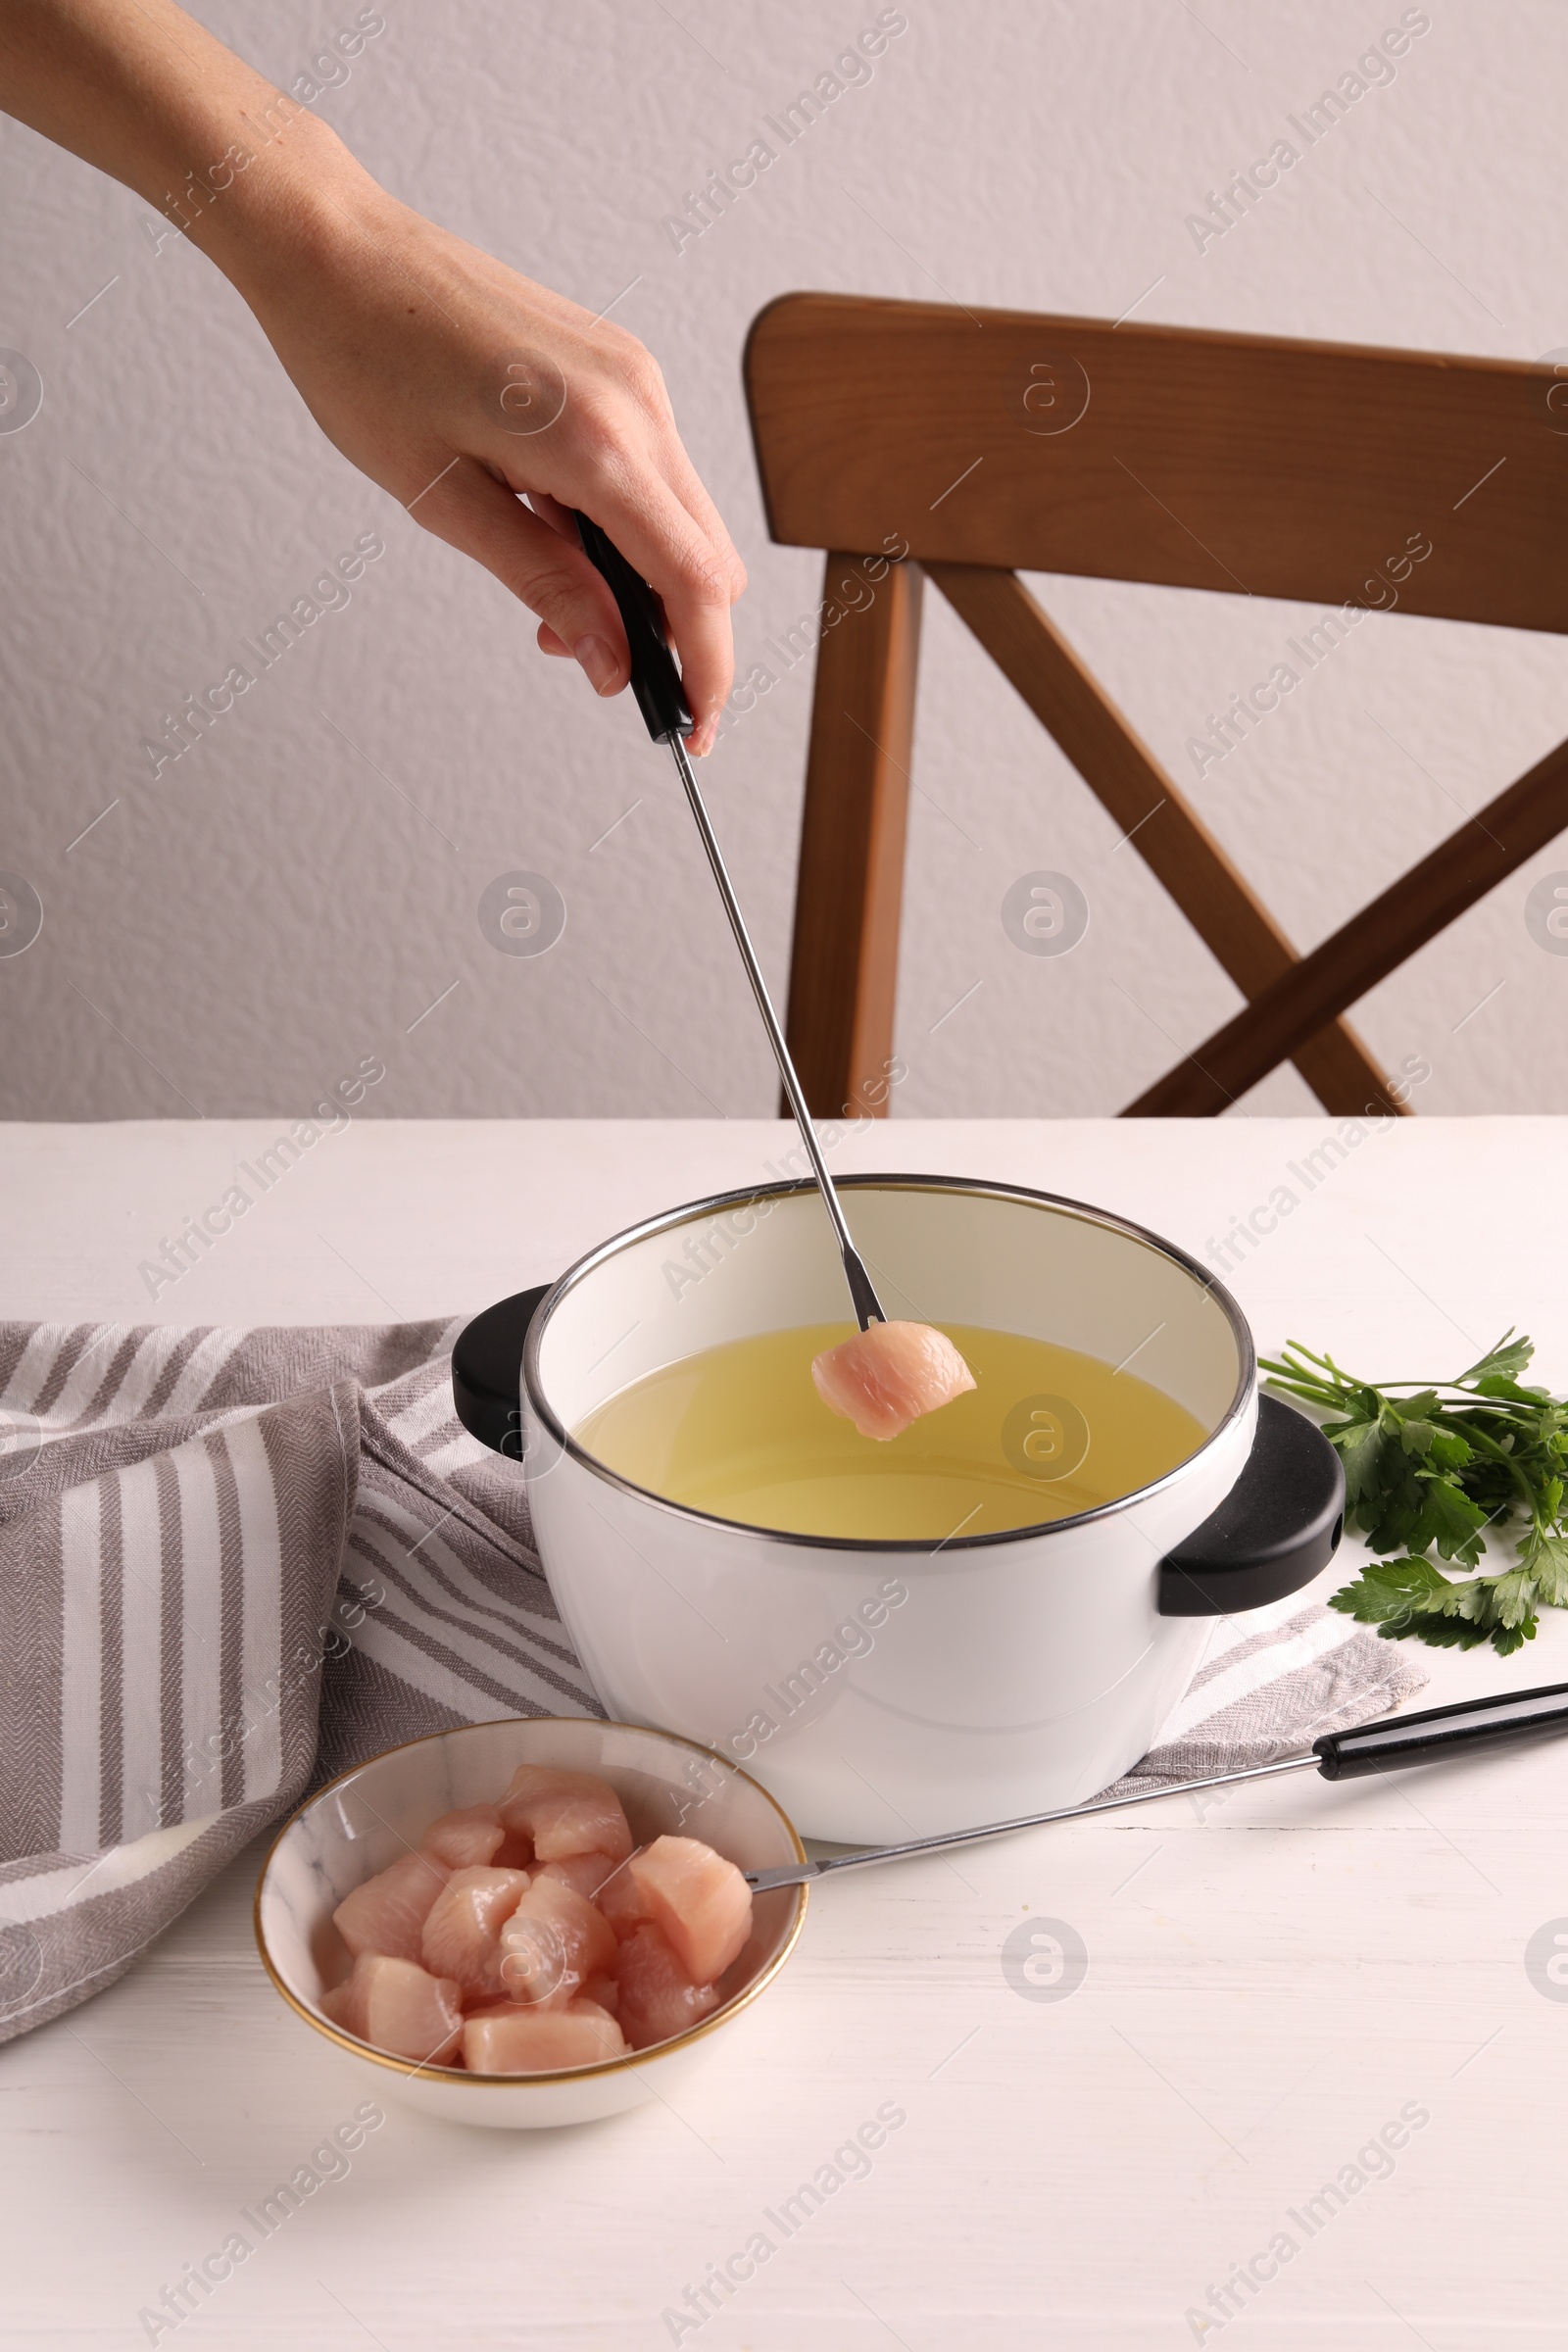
234 1563
1270 1683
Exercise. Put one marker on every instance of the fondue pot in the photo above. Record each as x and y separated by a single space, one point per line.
880 1688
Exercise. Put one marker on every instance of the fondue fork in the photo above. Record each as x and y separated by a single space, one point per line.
655 683
1389 1745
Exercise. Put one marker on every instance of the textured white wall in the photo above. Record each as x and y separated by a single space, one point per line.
292 896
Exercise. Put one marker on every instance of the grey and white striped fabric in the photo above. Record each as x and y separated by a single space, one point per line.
231 1564
234 1563
1270 1683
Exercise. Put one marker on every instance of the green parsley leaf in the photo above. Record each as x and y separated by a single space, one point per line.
1509 1355
1360 1444
1441 1468
1547 1563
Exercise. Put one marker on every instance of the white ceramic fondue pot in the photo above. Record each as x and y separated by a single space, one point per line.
883 1688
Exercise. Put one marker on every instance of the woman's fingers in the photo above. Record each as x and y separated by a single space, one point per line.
613 452
687 485
547 570
689 557
695 578
549 510
692 579
562 521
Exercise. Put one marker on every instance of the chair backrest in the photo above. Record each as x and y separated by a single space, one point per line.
970 445
1239 462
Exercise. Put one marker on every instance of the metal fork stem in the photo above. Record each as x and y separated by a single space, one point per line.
867 1307
801 1874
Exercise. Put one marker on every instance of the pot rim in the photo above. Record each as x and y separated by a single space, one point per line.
902 1546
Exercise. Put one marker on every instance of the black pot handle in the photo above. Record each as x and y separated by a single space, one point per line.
1277 1527
487 1371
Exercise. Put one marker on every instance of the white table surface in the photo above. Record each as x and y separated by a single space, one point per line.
1267 1986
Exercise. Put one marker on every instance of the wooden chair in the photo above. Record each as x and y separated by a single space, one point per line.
981 444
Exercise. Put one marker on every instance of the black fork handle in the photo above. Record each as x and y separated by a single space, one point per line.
1462 1730
654 679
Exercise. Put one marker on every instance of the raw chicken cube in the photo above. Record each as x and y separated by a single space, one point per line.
511 2041
622 1902
565 1813
399 2007
553 1941
587 1873
888 1376
462 1933
387 1914
467 1838
699 1901
606 1992
658 1997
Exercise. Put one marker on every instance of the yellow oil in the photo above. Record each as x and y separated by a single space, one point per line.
740 1431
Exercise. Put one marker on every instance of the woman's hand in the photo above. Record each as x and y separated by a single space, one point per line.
461 387
455 383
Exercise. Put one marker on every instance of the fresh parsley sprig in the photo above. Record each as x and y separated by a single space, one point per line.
1434 1468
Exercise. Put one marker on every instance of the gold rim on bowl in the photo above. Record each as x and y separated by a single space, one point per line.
572 2073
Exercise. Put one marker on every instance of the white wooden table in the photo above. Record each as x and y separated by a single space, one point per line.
1268 1984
